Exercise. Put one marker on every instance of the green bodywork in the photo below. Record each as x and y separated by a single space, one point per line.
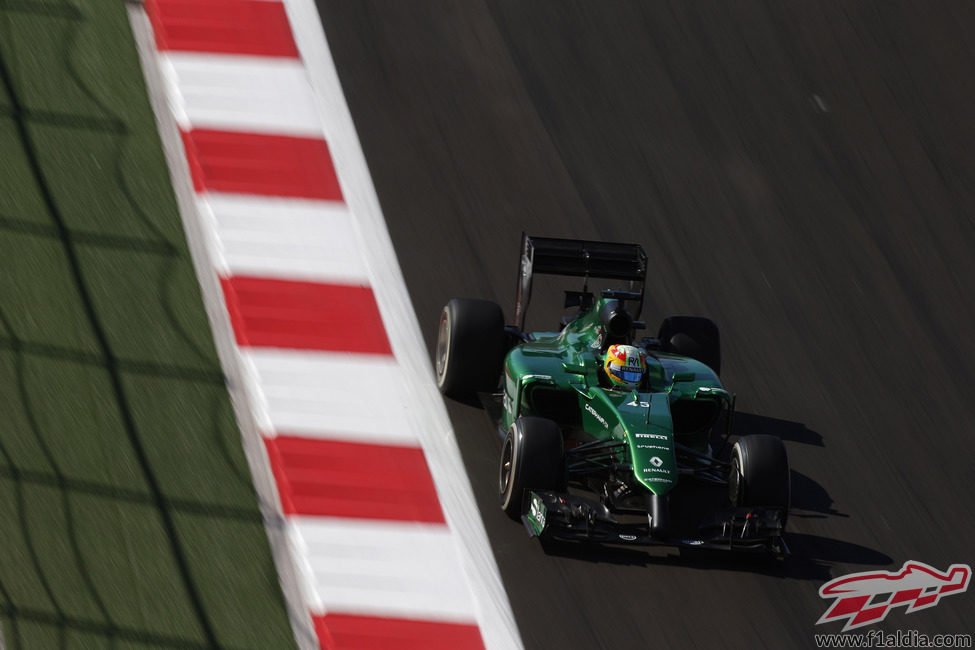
559 375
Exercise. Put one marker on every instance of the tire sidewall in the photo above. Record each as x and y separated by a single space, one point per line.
513 490
442 369
737 488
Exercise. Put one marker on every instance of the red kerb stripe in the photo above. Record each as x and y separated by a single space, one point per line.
254 27
340 631
269 165
304 315
331 478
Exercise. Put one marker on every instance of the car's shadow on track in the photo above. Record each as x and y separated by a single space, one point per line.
788 431
810 500
812 556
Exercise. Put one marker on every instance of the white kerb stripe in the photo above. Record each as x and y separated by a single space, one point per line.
333 395
379 568
290 239
240 93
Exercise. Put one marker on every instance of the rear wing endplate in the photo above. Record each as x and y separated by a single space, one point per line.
577 258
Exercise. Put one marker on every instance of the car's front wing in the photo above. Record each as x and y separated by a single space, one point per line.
554 515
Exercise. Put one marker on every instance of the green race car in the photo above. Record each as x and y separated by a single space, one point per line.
609 437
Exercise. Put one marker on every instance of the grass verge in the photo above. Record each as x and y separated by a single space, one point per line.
127 513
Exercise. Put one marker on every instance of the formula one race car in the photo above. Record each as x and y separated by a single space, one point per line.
608 438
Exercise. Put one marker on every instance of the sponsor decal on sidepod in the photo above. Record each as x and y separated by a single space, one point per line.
596 415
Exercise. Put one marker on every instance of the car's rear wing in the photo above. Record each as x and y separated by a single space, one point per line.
578 258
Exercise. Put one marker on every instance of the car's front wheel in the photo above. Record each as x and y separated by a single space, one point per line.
760 473
531 459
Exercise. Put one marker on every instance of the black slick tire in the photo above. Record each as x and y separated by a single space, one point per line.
531 459
692 336
759 474
470 347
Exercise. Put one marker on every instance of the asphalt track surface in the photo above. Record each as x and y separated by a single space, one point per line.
801 173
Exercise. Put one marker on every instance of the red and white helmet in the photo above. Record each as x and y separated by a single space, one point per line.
625 365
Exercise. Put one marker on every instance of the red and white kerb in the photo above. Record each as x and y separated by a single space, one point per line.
381 566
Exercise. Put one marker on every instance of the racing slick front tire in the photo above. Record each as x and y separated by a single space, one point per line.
531 459
470 347
694 337
760 474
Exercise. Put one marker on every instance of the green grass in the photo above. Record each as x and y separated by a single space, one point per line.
127 514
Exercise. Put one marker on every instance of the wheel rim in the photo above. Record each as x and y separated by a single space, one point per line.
504 471
442 337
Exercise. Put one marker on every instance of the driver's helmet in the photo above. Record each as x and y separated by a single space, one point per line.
625 366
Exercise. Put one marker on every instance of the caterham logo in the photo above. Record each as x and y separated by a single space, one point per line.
601 419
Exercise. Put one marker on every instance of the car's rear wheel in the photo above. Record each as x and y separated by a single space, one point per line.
759 474
532 458
694 337
470 347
